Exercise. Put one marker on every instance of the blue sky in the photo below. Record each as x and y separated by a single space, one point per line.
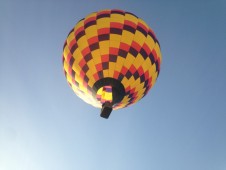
180 124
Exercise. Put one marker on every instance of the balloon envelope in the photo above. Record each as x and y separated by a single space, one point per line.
111 56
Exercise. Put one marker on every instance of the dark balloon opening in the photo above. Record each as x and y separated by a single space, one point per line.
118 93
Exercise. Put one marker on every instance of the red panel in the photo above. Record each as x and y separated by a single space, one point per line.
146 48
93 40
124 70
103 31
96 77
68 57
82 63
117 10
146 75
99 67
105 58
116 74
82 74
85 51
136 46
89 19
70 71
113 51
127 89
79 30
154 54
124 46
132 69
150 30
116 25
72 43
104 12
143 26
132 24
140 70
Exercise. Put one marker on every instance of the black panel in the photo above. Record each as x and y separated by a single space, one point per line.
100 74
88 57
131 14
133 51
73 73
120 76
122 53
142 78
73 48
151 58
129 28
128 74
71 61
117 12
152 36
116 31
142 31
105 65
85 68
103 16
86 79
136 75
112 58
103 37
88 24
94 46
143 53
80 34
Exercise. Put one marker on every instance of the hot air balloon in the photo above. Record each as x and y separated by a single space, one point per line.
111 59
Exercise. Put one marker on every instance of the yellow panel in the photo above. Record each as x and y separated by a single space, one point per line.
77 55
135 83
76 68
119 63
125 82
125 99
152 70
91 31
127 37
96 56
79 24
138 61
70 37
157 49
105 72
145 66
104 47
150 42
131 18
91 15
142 22
154 78
148 62
91 66
117 18
139 38
103 23
82 43
114 43
108 96
129 60
100 91
66 52
111 69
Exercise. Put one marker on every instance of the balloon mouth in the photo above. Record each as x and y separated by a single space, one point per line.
114 91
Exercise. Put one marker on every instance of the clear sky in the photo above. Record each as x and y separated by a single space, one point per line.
179 125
